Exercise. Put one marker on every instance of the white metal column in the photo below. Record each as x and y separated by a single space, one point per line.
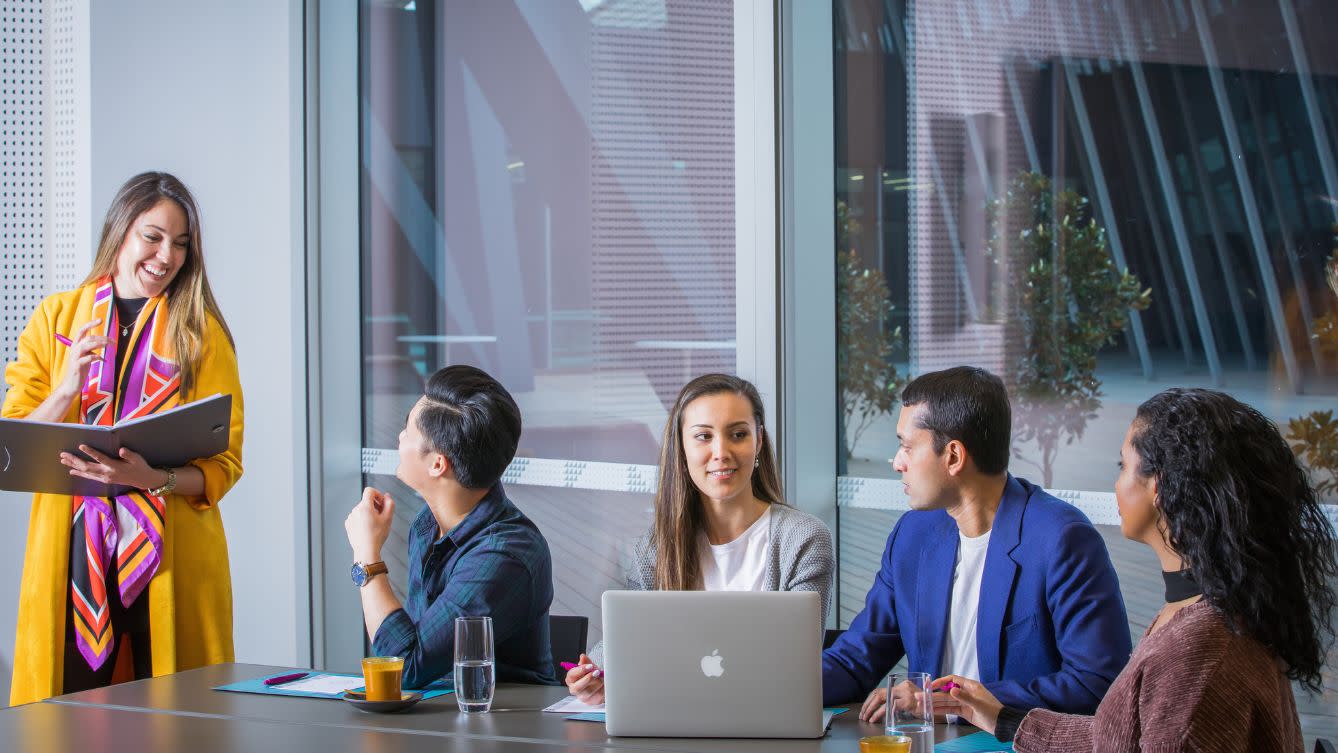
807 290
333 345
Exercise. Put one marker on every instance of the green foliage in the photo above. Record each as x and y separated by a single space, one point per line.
1331 270
1326 335
1067 299
1314 439
866 379
1326 327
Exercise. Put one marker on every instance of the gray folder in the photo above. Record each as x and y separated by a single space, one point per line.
30 450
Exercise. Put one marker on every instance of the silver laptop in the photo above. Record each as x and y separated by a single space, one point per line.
713 664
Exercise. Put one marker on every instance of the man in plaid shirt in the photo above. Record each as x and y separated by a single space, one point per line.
472 553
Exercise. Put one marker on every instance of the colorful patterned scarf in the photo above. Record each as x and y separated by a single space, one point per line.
129 528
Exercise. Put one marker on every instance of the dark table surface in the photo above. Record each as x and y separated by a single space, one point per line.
64 728
161 712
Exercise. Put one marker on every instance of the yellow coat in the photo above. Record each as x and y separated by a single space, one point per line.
190 612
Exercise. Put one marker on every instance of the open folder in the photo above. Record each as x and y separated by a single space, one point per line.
30 450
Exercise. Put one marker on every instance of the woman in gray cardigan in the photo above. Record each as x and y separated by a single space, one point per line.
721 523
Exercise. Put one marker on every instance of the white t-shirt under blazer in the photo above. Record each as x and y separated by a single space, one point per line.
959 652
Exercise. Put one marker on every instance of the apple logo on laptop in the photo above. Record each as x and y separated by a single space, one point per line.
713 665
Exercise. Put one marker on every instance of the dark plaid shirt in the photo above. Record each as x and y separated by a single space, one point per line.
494 563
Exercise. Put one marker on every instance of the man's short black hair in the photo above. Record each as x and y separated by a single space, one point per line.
967 404
471 419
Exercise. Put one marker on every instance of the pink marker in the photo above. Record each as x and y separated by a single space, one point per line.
569 666
949 685
63 340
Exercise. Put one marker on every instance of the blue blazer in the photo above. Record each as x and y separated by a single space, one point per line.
1051 631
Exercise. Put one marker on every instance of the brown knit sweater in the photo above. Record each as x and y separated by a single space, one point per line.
1191 686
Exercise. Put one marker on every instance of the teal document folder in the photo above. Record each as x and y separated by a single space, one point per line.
257 685
980 742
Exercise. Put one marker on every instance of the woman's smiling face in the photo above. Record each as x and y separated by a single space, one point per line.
720 445
152 252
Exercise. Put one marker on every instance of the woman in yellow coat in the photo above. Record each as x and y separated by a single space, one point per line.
135 585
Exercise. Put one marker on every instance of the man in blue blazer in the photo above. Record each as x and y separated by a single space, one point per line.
987 576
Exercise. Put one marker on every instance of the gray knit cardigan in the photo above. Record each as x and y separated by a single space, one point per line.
800 558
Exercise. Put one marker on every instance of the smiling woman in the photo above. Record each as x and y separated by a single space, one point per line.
135 585
718 478
153 251
721 521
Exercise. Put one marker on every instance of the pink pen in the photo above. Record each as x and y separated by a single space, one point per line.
568 665
63 340
949 685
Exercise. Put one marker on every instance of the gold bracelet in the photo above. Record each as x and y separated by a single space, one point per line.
166 488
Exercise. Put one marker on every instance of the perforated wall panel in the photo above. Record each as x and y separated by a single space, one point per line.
22 253
70 252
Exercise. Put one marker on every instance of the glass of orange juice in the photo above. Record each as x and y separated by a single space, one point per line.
382 674
885 744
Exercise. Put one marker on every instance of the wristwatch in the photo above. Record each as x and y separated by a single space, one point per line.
166 488
363 573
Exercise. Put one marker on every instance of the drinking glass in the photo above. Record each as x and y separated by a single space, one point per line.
381 677
885 744
474 678
910 708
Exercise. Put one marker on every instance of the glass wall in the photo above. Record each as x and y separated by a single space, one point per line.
548 193
1096 201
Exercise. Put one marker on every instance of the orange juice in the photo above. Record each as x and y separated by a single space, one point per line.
885 744
382 676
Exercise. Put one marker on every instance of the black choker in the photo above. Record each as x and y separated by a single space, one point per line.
1180 585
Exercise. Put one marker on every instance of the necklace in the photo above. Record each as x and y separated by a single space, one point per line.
127 311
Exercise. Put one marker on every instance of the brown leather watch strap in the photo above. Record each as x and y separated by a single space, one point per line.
375 568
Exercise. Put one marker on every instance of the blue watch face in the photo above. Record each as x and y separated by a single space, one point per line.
359 575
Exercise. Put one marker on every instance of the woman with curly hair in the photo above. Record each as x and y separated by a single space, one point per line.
1249 560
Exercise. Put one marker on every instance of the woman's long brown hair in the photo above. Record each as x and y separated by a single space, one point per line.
679 512
189 298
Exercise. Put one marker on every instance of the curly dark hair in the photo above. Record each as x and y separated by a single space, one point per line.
1241 512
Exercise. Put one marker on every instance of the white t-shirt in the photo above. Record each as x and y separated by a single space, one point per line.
740 565
959 652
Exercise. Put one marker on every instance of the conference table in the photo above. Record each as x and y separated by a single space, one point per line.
182 712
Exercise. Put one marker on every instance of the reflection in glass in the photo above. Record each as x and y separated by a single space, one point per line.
1197 140
548 193
1199 135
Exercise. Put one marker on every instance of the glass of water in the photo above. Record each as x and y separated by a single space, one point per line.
910 709
474 678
